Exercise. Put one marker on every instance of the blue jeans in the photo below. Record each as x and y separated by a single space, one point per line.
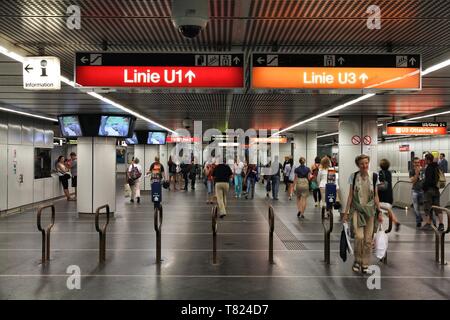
238 184
275 186
210 185
251 187
417 198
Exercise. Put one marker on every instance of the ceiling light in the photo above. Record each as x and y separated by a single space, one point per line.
435 67
28 114
339 107
425 116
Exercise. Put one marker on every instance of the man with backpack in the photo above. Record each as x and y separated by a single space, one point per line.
134 174
434 180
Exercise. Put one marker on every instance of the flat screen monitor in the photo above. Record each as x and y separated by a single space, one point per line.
132 140
70 126
155 137
114 126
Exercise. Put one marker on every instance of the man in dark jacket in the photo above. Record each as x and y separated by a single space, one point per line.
431 192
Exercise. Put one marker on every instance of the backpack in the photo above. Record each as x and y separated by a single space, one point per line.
134 173
383 186
440 179
374 179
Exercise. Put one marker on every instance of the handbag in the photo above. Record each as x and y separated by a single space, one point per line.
313 185
127 191
381 242
343 246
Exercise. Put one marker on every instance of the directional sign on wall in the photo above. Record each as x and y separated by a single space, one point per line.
336 71
417 128
159 70
41 73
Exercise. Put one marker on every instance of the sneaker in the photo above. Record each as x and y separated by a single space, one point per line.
356 267
418 224
138 199
222 215
316 204
299 214
441 227
397 227
290 198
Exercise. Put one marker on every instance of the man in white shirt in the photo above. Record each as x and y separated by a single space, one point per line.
134 174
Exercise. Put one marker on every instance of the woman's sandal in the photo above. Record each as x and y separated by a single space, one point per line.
356 267
364 269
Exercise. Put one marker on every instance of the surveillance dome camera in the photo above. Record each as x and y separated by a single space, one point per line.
190 17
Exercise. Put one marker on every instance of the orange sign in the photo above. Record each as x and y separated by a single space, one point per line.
335 78
403 130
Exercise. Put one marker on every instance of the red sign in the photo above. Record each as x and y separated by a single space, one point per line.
167 77
367 140
356 140
404 147
178 139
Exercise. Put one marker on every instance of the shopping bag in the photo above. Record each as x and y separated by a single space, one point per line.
343 246
127 190
381 242
348 237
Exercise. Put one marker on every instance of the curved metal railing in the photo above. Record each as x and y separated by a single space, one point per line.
327 215
402 194
45 232
158 219
440 236
214 216
102 231
271 217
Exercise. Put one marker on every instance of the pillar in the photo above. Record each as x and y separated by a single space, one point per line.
305 145
96 174
351 130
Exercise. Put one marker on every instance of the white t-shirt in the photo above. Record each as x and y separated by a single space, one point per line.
322 178
238 167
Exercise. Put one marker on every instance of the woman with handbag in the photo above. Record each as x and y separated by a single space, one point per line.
64 176
301 182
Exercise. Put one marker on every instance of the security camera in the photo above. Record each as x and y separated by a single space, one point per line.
187 123
190 17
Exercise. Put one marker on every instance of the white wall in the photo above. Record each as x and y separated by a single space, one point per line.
399 160
18 138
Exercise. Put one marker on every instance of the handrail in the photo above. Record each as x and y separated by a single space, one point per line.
400 203
158 218
327 232
102 231
214 215
45 232
441 235
271 230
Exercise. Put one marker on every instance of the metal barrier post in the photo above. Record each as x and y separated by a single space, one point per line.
271 229
158 217
441 235
389 229
327 215
102 232
214 230
45 232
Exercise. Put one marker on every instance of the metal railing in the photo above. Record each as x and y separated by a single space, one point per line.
327 215
214 215
158 219
389 229
102 231
45 232
440 236
271 230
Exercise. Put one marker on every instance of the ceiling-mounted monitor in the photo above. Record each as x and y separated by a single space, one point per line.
114 126
70 126
156 137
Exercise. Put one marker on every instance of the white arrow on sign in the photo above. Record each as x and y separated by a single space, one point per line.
236 60
84 59
363 77
341 60
190 75
260 60
412 61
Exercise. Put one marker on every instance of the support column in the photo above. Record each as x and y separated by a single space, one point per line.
365 129
96 174
305 145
